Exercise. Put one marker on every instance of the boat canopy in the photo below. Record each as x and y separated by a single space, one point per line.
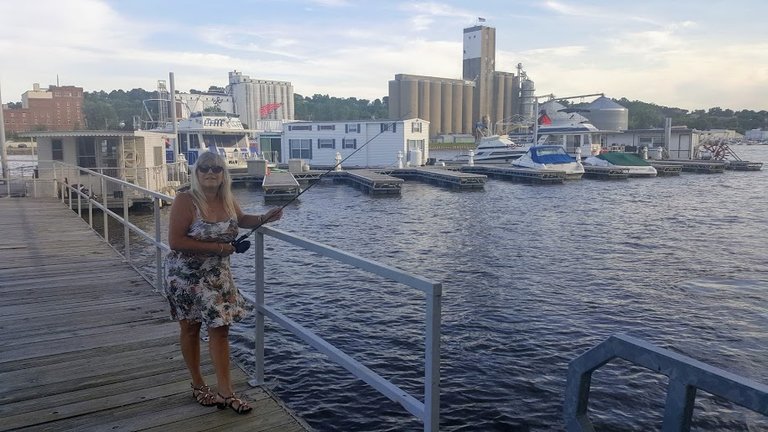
550 155
623 159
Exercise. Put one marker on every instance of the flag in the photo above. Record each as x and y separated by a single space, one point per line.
265 110
480 19
544 119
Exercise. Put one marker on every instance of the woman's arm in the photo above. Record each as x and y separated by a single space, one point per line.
253 221
182 216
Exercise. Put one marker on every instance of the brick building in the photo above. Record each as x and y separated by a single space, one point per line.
59 108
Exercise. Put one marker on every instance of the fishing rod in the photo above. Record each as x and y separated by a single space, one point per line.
241 244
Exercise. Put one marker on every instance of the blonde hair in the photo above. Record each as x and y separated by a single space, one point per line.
225 188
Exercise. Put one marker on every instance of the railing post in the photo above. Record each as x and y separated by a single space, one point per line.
678 410
432 361
104 202
79 206
259 339
158 251
126 230
90 201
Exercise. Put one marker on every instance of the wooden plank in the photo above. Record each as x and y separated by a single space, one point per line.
79 353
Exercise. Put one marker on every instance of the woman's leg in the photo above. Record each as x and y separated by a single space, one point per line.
218 346
189 338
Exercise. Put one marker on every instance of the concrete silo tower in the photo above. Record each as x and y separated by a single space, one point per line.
479 65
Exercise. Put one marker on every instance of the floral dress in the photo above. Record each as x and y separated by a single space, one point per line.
199 287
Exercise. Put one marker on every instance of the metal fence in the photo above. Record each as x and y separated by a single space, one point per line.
82 199
686 376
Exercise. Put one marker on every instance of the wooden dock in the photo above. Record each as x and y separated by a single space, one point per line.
442 176
517 174
280 186
695 166
85 343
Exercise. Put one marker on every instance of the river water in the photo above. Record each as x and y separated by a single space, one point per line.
532 277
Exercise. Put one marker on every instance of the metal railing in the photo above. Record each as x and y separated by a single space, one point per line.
428 411
686 376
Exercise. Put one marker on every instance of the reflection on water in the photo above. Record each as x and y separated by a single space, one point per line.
532 277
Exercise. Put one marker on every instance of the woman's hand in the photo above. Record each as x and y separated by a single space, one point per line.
272 215
225 249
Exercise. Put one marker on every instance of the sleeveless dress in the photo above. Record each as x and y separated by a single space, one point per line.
199 287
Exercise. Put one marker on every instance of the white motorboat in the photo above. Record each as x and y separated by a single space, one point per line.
214 131
551 157
634 164
494 149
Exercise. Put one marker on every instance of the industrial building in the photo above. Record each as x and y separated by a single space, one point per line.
456 106
255 100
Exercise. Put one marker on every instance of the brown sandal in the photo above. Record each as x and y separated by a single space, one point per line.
204 395
242 406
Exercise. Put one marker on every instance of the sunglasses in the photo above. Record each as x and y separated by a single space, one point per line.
213 168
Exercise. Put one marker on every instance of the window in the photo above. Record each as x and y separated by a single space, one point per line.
86 152
299 127
327 143
416 127
326 127
352 128
57 150
300 148
349 143
392 126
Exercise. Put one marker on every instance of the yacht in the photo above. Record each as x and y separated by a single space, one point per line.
494 149
551 157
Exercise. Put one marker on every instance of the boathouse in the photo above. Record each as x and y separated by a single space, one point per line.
682 140
317 143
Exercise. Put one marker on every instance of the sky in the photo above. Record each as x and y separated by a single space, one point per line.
690 54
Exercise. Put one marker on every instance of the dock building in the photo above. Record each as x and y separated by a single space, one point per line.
317 143
482 95
58 108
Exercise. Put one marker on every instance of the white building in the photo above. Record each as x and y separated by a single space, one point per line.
756 135
681 145
318 142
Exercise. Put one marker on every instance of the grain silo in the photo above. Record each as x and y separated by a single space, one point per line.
447 101
467 124
457 105
424 105
606 114
435 104
527 99
409 99
394 99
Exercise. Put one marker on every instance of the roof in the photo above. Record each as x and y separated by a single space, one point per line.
623 159
604 103
85 133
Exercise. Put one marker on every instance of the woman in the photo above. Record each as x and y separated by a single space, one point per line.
199 284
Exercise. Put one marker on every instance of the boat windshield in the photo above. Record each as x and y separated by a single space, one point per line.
221 140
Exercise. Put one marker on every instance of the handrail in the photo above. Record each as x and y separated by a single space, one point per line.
427 411
686 376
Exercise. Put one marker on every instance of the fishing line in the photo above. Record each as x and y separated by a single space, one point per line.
241 244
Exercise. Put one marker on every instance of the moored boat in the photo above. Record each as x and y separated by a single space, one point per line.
551 157
634 164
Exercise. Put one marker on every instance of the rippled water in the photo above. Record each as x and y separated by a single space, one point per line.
532 277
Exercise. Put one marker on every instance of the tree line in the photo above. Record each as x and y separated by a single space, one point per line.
119 109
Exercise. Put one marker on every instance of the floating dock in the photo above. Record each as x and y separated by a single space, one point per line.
99 352
605 172
741 165
280 186
370 181
515 174
444 177
696 166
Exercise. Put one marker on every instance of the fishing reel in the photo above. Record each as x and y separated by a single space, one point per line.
241 245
